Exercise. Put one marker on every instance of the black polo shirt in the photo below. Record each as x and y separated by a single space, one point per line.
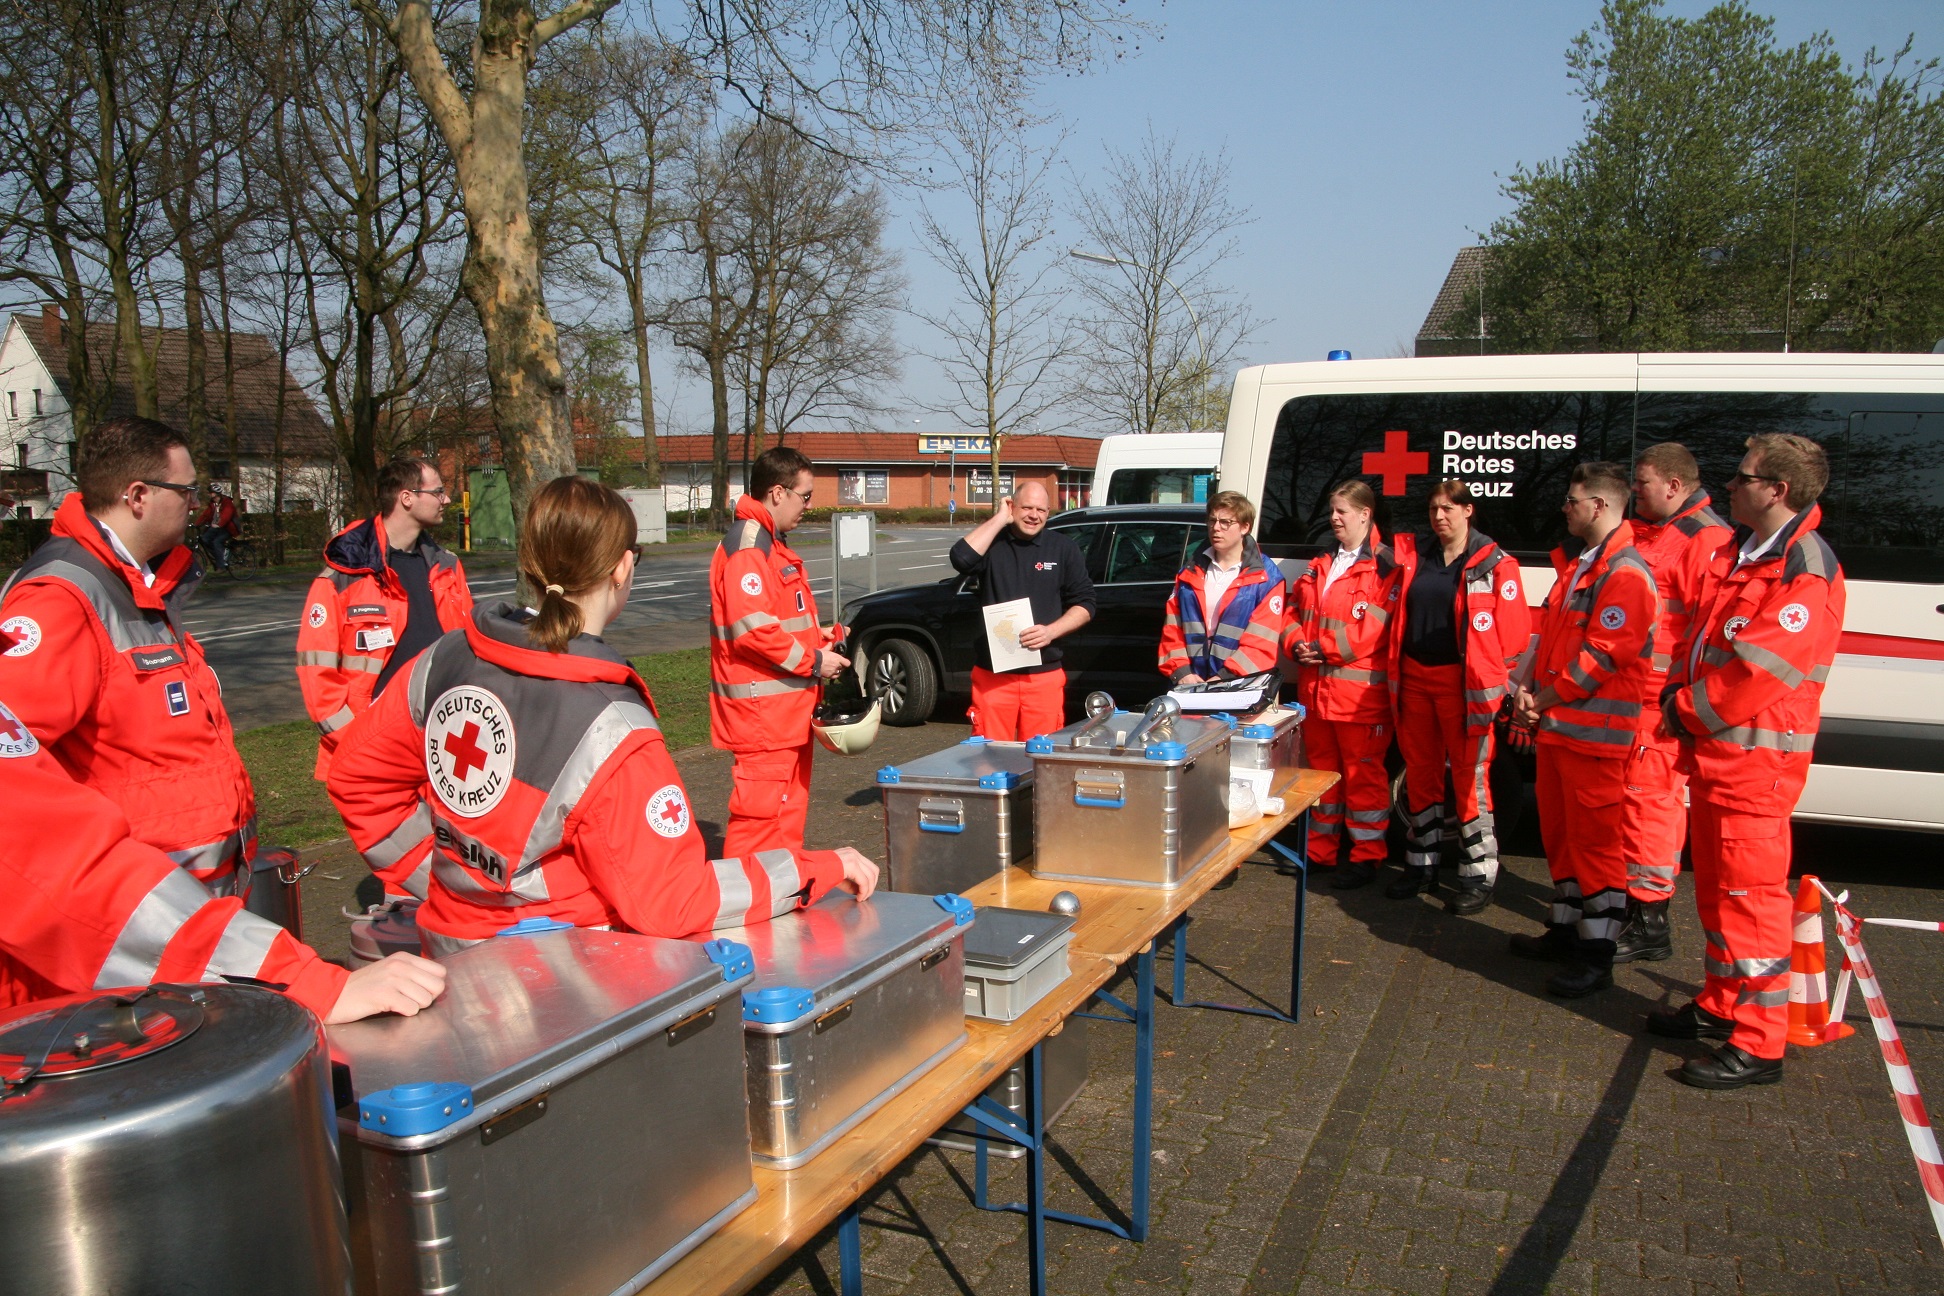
1430 607
1048 569
422 628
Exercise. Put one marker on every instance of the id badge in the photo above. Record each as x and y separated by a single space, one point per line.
374 639
177 693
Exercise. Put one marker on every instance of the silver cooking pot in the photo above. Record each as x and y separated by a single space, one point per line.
173 1138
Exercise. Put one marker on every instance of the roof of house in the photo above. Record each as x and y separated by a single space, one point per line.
1463 278
896 448
258 372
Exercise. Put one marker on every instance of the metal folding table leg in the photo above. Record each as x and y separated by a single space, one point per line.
1178 935
850 1252
1003 1124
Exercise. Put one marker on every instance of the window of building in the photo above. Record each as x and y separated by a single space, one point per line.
37 403
1074 485
864 486
20 455
978 485
13 404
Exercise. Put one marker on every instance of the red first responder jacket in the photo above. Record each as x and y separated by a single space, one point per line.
1494 623
88 907
355 616
1596 647
1678 550
763 638
1747 684
1349 623
550 794
1241 636
220 513
112 685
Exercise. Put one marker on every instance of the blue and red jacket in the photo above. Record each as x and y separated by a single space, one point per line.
1239 637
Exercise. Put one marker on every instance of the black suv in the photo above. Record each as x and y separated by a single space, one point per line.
920 642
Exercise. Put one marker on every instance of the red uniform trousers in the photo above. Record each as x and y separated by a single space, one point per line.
1014 707
1355 751
1431 735
1581 811
1741 887
769 800
1654 820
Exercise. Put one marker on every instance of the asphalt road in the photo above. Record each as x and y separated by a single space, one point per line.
250 632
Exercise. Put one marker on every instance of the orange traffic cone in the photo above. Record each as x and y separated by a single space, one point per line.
1809 1023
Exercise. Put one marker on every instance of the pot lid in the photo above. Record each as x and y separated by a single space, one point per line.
87 1033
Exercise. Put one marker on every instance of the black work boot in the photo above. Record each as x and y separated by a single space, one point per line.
1469 900
1348 877
1646 937
1590 970
1554 945
1412 881
1689 1021
1730 1068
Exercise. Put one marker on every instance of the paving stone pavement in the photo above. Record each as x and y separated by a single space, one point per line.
1436 1123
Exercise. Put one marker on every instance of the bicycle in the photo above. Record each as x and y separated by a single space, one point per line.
241 554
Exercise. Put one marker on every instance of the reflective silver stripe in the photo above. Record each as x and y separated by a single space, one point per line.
207 858
1247 663
762 688
415 690
743 625
1762 659
610 729
1667 871
137 951
784 880
1193 629
1662 661
796 623
793 658
1747 967
244 946
1705 709
1330 809
1475 697
1363 832
336 720
365 665
324 659
1715 938
1772 740
459 880
1549 722
420 883
400 841
733 893
1818 675
1600 658
1355 675
128 624
1606 706
1369 816
1712 655
1581 678
1761 998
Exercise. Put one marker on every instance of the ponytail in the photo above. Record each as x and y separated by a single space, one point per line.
576 531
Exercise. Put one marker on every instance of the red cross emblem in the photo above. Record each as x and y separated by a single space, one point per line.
673 811
467 755
1396 462
11 729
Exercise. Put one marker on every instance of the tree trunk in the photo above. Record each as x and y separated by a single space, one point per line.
651 469
195 394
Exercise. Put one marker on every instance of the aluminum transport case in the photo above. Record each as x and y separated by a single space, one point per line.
1268 747
1135 799
567 1117
957 817
853 1000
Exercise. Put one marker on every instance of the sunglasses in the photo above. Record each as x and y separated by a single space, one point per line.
190 492
1742 479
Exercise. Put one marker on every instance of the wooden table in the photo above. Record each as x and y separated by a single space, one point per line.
1115 924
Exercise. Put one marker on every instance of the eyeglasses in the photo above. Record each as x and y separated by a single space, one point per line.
1222 523
441 492
802 495
1583 499
191 493
1742 479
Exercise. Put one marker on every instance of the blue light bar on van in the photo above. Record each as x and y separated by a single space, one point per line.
1339 355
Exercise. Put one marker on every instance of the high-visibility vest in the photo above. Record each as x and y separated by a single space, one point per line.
1241 636
1596 647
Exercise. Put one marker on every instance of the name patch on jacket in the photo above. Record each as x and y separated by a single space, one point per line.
366 609
149 659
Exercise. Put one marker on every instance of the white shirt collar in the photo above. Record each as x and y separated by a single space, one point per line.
1749 555
121 551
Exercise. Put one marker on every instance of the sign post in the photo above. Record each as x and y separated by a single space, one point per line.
853 536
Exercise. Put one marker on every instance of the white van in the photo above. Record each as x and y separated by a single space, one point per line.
1156 468
1514 426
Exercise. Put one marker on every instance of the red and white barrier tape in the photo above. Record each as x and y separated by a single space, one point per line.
1903 1081
1906 922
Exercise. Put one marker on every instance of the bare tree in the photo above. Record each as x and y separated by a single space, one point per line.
1160 330
1006 339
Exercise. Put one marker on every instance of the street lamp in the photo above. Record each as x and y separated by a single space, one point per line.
1103 259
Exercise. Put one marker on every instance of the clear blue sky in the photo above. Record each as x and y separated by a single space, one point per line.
1368 139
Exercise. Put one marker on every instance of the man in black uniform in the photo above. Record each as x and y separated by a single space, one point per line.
1017 557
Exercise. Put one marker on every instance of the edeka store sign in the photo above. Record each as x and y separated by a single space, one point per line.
954 445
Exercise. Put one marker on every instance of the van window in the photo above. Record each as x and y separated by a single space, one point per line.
1883 511
1147 552
1159 486
1516 449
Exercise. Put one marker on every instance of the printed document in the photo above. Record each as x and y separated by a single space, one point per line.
1003 622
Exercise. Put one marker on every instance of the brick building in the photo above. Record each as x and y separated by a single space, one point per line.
899 470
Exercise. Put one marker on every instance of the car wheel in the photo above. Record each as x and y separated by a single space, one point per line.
901 678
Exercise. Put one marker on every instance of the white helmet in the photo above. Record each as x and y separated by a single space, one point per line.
841 728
